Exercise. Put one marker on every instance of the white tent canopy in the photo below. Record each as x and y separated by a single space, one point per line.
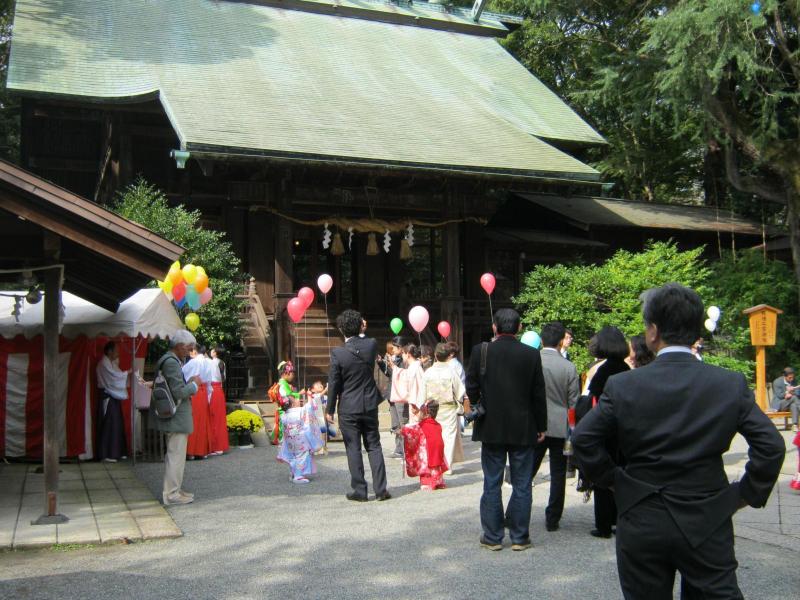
148 313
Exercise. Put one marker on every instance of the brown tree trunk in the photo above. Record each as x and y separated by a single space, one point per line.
793 223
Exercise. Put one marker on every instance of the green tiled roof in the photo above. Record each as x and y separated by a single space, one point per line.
252 79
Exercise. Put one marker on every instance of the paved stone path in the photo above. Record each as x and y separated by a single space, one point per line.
253 534
104 503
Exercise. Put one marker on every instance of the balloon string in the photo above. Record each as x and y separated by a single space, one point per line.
491 310
305 350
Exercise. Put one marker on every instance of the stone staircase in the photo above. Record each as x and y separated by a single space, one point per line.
315 335
257 345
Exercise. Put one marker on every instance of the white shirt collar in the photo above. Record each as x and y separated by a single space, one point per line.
670 349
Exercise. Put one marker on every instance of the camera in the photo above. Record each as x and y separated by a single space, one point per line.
475 413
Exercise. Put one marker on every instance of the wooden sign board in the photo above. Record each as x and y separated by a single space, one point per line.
763 324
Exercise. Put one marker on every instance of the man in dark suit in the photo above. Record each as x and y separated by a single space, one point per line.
511 389
351 387
673 420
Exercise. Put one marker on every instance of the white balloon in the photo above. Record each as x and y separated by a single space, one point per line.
714 313
710 325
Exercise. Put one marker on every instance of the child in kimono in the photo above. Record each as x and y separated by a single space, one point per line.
319 400
424 448
795 483
301 438
283 393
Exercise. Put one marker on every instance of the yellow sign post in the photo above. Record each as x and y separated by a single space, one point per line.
763 330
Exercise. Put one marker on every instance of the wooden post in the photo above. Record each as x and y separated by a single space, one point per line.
763 330
284 282
52 434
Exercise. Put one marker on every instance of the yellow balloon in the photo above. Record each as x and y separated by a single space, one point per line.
175 265
189 273
201 271
192 321
166 286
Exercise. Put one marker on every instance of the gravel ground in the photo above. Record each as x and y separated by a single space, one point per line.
251 533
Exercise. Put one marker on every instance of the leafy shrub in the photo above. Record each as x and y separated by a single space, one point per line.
219 319
588 297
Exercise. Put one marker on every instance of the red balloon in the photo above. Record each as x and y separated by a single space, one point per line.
444 329
179 291
296 309
488 282
306 294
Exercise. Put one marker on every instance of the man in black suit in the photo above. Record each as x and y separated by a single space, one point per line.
673 420
351 387
511 389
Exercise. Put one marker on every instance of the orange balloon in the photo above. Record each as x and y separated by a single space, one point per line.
175 275
200 282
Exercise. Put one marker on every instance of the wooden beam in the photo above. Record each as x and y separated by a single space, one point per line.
23 208
63 164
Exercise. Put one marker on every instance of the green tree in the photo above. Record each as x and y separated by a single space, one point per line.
9 104
742 69
219 319
588 297
591 54
747 281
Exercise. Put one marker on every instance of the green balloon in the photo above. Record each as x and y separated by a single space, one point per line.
396 325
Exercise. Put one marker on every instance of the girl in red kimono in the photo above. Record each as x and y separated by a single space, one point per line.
424 448
795 484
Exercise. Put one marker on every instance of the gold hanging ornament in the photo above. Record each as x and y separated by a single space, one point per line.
405 250
337 249
372 245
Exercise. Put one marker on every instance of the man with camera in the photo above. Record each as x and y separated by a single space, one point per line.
505 376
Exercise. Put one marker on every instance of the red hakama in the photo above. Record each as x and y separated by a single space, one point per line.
219 424
199 440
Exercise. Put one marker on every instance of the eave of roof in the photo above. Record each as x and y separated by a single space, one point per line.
607 212
240 77
109 257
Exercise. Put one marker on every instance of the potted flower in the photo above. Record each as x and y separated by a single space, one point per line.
244 423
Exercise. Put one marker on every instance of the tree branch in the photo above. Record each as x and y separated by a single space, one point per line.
783 47
750 185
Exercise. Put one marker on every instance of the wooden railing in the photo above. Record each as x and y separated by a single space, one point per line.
259 316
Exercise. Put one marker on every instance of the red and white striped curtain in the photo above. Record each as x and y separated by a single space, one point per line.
22 394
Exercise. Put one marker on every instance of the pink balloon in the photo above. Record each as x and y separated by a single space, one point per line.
488 282
205 296
296 309
444 329
418 317
306 294
325 283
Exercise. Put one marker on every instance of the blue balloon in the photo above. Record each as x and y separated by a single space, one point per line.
180 303
532 339
755 7
192 298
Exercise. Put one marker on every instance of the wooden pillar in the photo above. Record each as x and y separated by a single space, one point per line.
52 398
761 377
452 302
284 282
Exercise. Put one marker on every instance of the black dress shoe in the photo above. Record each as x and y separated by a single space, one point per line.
551 526
384 496
600 534
355 497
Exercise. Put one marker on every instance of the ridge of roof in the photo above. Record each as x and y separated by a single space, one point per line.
406 12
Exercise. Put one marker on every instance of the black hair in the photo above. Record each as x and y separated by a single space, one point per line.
201 349
413 350
442 352
677 312
349 322
641 353
426 351
452 348
609 342
109 347
506 320
433 408
552 334
398 341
